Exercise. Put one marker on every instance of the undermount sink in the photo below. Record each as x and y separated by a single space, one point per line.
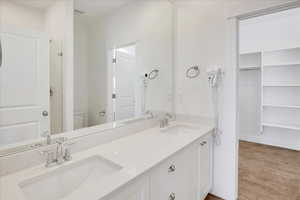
63 181
180 129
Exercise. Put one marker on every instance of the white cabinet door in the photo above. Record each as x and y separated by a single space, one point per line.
139 190
174 178
24 85
205 165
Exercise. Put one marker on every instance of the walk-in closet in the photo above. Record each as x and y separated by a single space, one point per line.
269 79
269 106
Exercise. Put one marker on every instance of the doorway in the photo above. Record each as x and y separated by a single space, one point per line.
268 105
125 92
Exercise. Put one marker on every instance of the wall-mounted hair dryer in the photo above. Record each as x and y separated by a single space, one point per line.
214 76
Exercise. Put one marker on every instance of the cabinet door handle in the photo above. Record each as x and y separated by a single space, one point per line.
45 113
172 196
172 168
203 143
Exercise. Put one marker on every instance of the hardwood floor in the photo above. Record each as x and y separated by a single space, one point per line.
268 173
211 197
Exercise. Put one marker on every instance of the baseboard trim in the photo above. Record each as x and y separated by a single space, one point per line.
256 139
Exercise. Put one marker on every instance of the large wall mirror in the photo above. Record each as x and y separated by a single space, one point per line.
123 60
67 65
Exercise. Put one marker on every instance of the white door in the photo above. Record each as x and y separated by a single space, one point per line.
125 74
24 85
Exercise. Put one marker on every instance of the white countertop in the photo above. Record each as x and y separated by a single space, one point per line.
135 153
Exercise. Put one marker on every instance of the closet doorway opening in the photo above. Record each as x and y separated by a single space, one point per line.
269 105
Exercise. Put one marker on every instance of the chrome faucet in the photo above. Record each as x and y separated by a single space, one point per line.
59 155
169 116
59 152
164 122
149 114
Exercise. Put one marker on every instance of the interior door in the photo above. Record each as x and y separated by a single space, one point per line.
124 86
24 85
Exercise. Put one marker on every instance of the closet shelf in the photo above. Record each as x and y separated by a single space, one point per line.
280 85
249 68
284 126
281 106
283 65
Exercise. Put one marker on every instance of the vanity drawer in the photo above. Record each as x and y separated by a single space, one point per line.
171 180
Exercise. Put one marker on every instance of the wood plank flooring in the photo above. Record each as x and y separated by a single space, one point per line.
267 173
211 197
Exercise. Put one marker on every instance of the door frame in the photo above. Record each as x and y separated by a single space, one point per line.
233 60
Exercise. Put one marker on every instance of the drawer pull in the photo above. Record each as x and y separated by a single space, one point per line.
172 196
203 143
172 168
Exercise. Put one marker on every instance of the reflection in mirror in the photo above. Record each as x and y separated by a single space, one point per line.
123 61
32 36
118 66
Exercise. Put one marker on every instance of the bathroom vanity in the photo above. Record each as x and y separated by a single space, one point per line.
169 163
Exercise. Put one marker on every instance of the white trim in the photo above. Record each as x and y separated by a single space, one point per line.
283 126
237 127
267 11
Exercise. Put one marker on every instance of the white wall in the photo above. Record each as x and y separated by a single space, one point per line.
81 67
249 102
97 81
201 29
90 76
21 16
275 31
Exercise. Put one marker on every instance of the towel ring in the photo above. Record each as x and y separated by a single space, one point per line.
153 74
192 72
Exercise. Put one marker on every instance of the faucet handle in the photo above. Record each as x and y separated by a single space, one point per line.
50 156
169 115
67 153
61 140
47 135
67 156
